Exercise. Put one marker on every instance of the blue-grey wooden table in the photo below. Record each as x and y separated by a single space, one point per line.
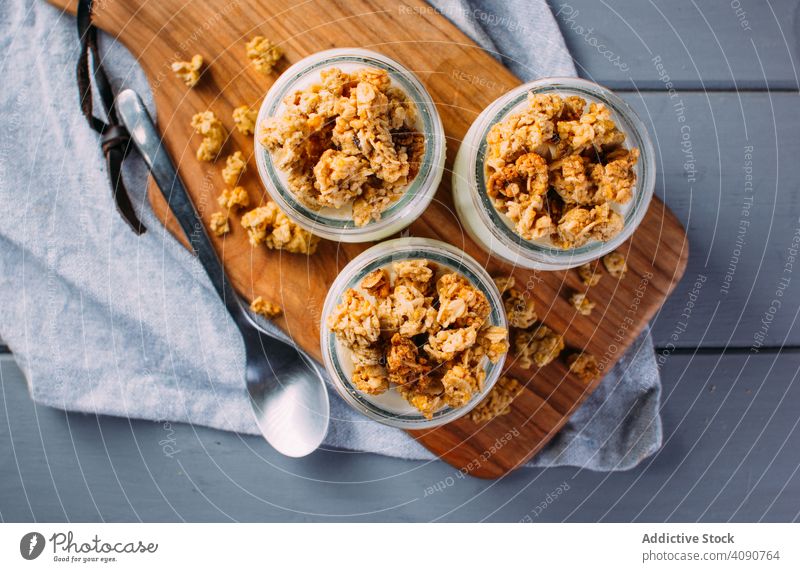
730 358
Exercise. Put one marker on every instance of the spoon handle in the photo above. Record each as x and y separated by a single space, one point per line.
148 141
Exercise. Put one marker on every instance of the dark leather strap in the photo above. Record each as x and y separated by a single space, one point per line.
114 138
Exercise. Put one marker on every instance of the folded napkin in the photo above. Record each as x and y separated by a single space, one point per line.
102 321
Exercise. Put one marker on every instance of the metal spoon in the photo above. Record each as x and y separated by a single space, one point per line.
286 388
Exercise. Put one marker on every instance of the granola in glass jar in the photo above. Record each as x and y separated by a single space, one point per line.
347 142
559 171
421 329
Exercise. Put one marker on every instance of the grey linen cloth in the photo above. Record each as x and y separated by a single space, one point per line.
104 322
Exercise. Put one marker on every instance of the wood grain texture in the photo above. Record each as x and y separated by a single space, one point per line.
462 80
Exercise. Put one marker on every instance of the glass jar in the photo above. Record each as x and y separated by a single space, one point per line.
334 224
493 230
390 408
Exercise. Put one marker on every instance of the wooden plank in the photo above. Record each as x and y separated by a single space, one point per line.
742 263
703 45
731 452
656 253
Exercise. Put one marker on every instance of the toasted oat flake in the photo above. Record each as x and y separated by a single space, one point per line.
189 72
498 401
219 224
263 54
207 125
556 169
539 345
584 365
244 119
615 264
349 142
265 308
269 226
235 165
394 320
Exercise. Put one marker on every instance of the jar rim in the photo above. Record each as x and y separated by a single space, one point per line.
379 256
631 125
415 197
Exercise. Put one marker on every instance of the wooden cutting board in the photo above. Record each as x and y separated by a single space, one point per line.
462 79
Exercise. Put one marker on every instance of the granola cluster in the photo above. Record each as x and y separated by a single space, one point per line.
539 345
557 169
189 72
265 308
210 127
498 401
584 365
263 54
244 119
423 330
349 140
268 225
519 307
235 165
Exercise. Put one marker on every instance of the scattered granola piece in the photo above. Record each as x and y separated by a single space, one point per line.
189 72
584 365
582 303
498 401
371 379
219 224
555 168
427 326
234 198
349 141
520 309
355 320
235 165
244 119
539 345
589 273
615 264
269 226
265 308
263 54
206 124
